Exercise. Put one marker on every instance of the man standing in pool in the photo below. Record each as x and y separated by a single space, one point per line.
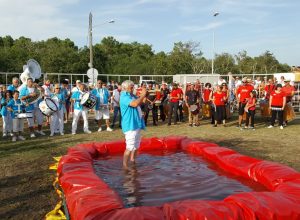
132 120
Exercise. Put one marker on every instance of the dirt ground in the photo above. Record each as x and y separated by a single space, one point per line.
26 182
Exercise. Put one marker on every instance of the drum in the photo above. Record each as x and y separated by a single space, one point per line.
88 100
48 106
289 113
157 102
194 109
264 108
206 110
25 115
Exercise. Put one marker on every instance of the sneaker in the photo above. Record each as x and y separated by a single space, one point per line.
14 139
271 126
62 134
100 129
238 126
87 132
52 134
21 138
4 135
32 135
215 125
109 129
246 127
41 133
11 134
281 127
73 133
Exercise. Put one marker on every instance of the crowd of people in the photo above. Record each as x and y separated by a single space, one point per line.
168 103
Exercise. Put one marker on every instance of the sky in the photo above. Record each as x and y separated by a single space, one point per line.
252 25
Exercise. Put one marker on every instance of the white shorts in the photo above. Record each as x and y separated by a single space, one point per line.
18 124
102 113
133 139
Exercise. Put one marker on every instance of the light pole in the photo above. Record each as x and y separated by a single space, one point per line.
213 55
90 64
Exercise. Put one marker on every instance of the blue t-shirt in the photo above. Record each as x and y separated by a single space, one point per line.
59 98
17 107
77 99
102 96
4 103
11 88
131 116
25 92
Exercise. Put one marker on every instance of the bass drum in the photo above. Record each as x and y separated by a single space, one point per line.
206 110
88 100
264 108
194 109
48 106
288 113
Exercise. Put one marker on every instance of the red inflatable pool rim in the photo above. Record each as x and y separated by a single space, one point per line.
89 197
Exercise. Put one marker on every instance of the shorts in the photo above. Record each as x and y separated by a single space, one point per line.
241 108
133 139
102 113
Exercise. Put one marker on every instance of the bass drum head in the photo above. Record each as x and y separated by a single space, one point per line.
84 98
51 104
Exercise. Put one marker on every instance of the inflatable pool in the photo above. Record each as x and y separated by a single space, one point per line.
90 197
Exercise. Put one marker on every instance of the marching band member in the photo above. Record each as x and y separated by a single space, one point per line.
192 98
289 90
76 88
218 98
47 92
79 110
242 95
269 88
29 91
174 98
65 91
102 107
57 118
115 99
150 106
14 86
207 93
277 103
6 116
15 106
250 109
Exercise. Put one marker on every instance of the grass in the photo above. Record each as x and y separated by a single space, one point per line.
26 182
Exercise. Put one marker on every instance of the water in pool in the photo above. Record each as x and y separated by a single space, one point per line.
161 177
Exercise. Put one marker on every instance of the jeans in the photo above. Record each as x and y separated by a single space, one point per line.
173 108
280 117
250 114
154 114
117 112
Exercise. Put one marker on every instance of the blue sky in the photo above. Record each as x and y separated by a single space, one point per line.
251 25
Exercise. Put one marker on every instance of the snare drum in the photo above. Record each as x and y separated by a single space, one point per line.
88 100
288 112
206 109
24 115
48 106
264 108
194 109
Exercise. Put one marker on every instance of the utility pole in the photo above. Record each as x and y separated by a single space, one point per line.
91 39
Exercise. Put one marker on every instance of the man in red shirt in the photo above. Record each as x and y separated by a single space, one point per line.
242 96
289 91
174 98
269 88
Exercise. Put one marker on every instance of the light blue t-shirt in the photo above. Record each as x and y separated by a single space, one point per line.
4 110
102 96
59 98
11 88
17 107
131 117
77 99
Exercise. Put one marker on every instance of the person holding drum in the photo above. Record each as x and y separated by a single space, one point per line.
277 103
30 94
289 90
15 106
57 118
174 97
6 116
192 102
102 106
79 110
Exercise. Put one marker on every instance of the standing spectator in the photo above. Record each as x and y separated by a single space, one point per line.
165 92
132 120
150 106
269 88
174 98
180 103
115 99
218 99
65 91
221 80
6 115
250 110
277 103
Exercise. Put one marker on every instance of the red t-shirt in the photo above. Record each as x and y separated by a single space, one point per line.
219 98
158 94
244 92
174 93
252 101
288 91
206 94
277 98
269 89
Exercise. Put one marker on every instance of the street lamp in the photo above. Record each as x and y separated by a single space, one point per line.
91 36
213 55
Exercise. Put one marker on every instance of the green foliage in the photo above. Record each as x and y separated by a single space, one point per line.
113 57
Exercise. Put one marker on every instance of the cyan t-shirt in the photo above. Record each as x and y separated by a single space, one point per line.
11 88
77 99
102 96
17 107
131 117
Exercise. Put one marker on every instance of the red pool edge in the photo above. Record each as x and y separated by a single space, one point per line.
89 197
